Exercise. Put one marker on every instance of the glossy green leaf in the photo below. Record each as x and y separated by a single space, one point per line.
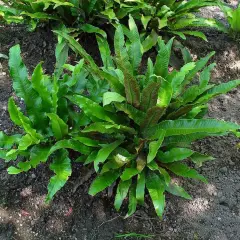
177 191
156 190
132 206
19 119
163 57
165 93
136 115
14 170
6 142
140 188
103 127
183 127
109 97
121 194
149 95
104 153
87 141
135 47
154 147
59 127
61 166
88 28
128 173
39 86
174 155
105 52
103 181
183 170
91 108
199 158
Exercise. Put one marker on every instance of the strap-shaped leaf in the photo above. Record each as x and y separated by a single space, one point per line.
40 153
91 108
150 70
179 78
183 170
136 115
149 95
199 158
19 119
217 90
59 127
121 194
71 144
38 84
104 153
103 127
184 127
150 41
109 97
132 206
128 173
205 75
140 188
18 71
163 57
105 52
103 181
119 47
165 93
23 87
183 140
132 89
88 28
87 141
174 155
90 64
154 147
6 142
61 166
154 166
152 116
156 190
199 66
61 54
177 191
135 47
26 141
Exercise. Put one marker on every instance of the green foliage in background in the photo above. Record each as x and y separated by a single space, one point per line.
73 13
134 128
233 18
168 17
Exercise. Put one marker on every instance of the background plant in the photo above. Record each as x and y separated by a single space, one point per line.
134 128
233 18
71 13
165 17
174 17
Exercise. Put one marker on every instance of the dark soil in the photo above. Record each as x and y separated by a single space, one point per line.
214 212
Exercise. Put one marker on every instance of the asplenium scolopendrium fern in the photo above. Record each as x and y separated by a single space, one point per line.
135 130
233 18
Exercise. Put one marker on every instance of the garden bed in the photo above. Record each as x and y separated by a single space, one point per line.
214 212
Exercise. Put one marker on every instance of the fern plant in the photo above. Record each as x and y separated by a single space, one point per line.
79 14
135 129
233 18
170 17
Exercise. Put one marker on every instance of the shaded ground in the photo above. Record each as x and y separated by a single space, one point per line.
214 212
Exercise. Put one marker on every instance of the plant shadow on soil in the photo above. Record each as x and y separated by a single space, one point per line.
214 212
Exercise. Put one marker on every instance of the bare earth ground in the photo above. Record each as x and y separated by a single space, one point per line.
213 214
